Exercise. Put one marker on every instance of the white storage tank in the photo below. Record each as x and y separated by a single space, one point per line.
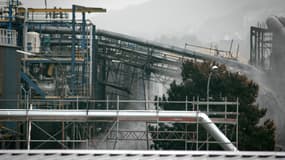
33 42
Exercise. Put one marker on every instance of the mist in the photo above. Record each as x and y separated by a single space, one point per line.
202 22
207 20
199 22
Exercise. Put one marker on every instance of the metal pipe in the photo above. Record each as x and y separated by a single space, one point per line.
173 49
120 115
152 44
91 38
208 90
73 91
53 29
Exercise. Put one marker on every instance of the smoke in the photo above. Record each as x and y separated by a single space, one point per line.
272 99
275 77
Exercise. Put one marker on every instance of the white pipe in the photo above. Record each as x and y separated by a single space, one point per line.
91 62
121 115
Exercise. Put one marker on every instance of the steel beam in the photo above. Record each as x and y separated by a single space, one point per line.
155 45
67 10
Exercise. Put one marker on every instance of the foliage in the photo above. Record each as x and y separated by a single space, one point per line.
252 134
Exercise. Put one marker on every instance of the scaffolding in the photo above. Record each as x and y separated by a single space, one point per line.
260 48
83 126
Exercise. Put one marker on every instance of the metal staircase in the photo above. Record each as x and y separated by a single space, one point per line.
32 84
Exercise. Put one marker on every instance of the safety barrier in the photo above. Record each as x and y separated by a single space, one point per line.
8 37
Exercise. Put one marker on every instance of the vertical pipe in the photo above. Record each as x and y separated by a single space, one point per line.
257 48
73 77
107 103
29 134
10 16
185 139
29 131
83 48
197 126
262 50
117 130
91 61
186 109
226 116
25 30
251 48
83 42
94 63
62 133
186 103
77 103
73 135
208 88
146 89
237 116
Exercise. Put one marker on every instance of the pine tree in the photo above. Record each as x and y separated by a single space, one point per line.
252 134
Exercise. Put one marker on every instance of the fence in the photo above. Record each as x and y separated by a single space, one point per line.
8 37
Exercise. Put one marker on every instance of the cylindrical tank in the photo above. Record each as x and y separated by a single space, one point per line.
33 42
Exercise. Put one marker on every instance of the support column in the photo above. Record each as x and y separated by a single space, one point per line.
73 77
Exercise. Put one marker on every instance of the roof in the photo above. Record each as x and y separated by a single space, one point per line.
131 154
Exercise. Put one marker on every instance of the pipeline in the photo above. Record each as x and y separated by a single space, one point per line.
151 44
121 115
175 50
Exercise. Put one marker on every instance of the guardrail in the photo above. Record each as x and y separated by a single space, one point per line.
8 37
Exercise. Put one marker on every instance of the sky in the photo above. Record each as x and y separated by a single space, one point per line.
202 22
108 4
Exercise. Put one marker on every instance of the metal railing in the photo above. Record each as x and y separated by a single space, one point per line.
84 133
8 37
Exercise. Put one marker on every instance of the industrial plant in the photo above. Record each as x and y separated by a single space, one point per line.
69 89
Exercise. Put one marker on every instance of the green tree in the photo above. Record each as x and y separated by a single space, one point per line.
252 135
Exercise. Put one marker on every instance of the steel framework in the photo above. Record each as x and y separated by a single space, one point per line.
260 47
81 126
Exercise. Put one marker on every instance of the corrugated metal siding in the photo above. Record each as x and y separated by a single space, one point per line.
131 154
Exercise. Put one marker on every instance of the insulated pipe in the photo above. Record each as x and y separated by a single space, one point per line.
155 45
121 115
173 49
214 131
52 29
